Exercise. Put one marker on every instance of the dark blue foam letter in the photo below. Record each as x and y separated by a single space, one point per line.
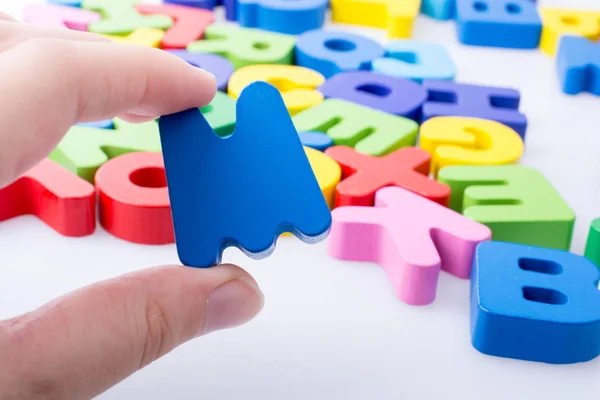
243 190
534 304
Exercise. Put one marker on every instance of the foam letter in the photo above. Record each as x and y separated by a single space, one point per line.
316 140
327 171
121 18
516 202
363 175
331 52
534 304
578 65
147 37
367 130
134 200
513 24
219 66
83 150
296 84
189 23
392 95
411 237
396 17
220 114
63 201
592 247
558 23
415 60
245 46
261 183
104 124
442 10
290 17
58 16
230 5
447 98
469 141
68 3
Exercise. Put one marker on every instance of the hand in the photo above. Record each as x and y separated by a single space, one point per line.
83 343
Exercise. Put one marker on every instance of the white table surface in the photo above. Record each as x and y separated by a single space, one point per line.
332 329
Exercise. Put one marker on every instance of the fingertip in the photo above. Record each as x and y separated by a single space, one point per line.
234 299
205 83
232 304
229 296
206 86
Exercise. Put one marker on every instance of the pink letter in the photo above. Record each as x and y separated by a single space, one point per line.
57 16
411 237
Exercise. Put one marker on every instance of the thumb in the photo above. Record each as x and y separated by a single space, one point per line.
82 344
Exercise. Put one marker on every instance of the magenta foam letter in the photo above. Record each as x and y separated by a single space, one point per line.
58 16
411 237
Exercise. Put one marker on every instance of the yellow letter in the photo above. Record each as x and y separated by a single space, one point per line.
469 141
328 173
296 84
397 16
148 37
558 22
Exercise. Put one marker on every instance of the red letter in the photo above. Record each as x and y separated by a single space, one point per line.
189 23
134 200
58 197
363 175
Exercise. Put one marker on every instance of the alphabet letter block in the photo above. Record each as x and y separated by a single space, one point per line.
534 304
448 98
147 37
516 202
229 5
469 141
396 17
297 85
63 201
104 124
331 52
363 175
121 18
557 23
411 237
248 199
316 140
327 171
69 3
367 130
578 65
83 150
134 200
290 17
442 10
189 23
246 46
415 60
513 24
392 95
220 114
219 66
59 16
592 247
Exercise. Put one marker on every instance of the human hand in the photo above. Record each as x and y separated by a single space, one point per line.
80 345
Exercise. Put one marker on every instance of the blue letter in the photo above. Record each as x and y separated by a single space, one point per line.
534 304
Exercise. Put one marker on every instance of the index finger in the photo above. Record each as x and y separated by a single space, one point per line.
48 85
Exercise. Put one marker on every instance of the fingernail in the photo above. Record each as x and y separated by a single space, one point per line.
233 304
213 76
207 74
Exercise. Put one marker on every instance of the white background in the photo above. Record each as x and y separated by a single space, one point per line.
332 329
